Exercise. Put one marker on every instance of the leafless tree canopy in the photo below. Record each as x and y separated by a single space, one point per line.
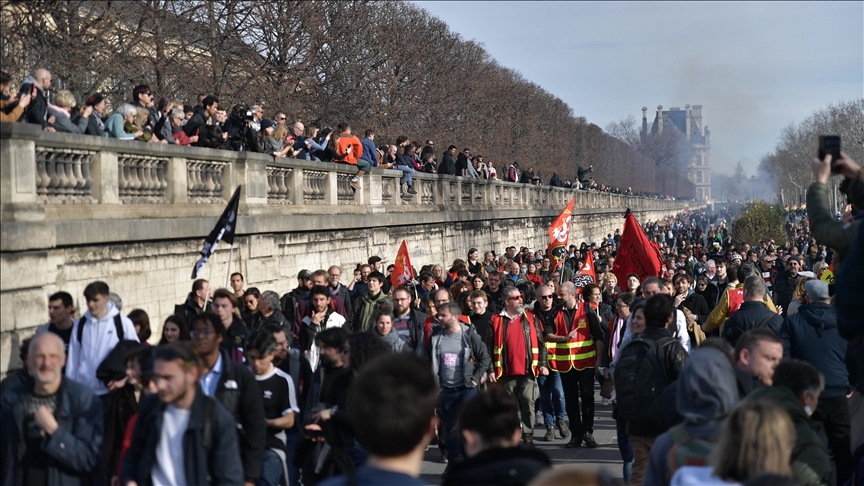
798 143
390 66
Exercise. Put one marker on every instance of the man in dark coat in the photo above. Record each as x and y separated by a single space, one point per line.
448 161
37 111
52 426
812 335
753 313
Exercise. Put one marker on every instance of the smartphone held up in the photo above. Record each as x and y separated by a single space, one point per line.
830 144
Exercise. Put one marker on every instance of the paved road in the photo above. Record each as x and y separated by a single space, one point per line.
605 456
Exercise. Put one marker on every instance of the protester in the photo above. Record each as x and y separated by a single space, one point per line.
52 425
233 386
757 353
518 356
758 438
706 395
174 329
182 436
753 313
796 388
575 338
489 428
812 336
61 312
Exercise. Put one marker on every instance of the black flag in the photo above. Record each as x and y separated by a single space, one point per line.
224 230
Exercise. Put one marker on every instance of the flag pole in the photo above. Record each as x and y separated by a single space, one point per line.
228 273
210 277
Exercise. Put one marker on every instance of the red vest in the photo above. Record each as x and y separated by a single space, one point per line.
498 343
736 298
578 353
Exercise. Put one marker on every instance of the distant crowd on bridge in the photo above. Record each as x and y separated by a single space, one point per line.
148 118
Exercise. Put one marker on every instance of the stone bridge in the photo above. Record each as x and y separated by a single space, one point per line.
74 209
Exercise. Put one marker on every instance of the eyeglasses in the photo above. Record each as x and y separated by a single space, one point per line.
544 297
206 332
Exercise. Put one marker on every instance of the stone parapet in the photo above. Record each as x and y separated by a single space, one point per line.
77 190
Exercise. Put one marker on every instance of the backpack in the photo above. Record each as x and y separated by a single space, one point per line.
640 378
686 450
118 325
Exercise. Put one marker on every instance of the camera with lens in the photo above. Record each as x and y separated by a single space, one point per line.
248 114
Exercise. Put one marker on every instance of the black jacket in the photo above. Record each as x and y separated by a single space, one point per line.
447 165
812 335
746 382
221 465
194 124
234 338
697 305
190 309
37 111
512 466
809 450
783 288
415 327
751 315
75 449
238 392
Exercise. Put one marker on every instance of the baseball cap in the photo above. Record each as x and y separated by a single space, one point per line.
817 290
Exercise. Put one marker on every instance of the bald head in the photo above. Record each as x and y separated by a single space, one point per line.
43 77
568 287
442 296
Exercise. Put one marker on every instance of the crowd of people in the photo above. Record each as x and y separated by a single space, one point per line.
207 123
735 364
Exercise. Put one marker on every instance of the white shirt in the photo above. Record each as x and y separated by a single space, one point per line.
697 476
99 337
169 469
333 320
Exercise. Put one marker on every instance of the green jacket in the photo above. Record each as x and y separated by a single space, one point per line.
810 458
366 308
824 227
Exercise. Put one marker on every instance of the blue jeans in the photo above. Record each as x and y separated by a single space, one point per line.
625 448
292 436
452 400
407 173
551 397
271 469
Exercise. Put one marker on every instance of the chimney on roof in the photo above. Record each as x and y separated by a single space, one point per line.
659 119
687 115
644 122
697 116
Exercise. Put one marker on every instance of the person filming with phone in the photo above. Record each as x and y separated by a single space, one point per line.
828 231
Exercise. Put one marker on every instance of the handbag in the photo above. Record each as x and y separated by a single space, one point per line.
607 389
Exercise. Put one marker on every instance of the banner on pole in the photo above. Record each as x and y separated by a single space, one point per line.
403 272
559 235
223 231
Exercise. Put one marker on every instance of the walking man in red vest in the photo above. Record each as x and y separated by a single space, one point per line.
518 355
575 341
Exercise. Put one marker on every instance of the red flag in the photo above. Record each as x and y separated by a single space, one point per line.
636 253
586 275
559 235
402 271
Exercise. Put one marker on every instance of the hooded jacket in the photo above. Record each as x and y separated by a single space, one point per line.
98 338
812 335
809 451
707 394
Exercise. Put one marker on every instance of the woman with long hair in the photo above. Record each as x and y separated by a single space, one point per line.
757 439
174 329
533 275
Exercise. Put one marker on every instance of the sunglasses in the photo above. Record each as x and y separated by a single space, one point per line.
516 297
544 297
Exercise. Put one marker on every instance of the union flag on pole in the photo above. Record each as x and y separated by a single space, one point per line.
586 274
559 235
636 253
403 272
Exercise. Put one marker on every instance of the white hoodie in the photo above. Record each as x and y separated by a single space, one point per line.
100 337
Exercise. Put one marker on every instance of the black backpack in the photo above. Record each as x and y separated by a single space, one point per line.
640 378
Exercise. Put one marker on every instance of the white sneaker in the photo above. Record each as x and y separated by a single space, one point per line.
606 402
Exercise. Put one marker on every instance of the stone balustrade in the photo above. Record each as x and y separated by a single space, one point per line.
63 178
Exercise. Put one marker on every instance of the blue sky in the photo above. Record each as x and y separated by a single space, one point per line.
754 66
